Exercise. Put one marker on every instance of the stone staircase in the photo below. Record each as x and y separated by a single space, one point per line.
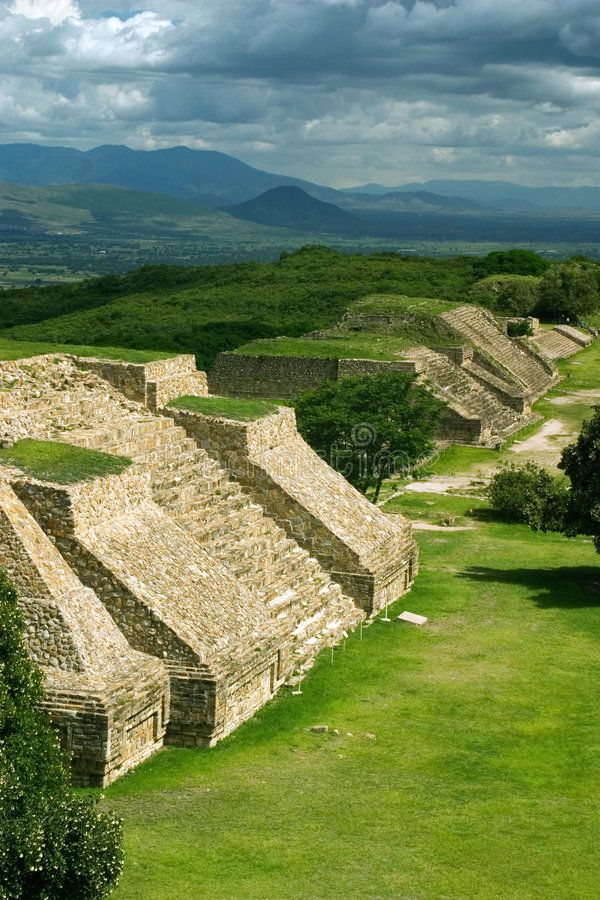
299 595
513 359
562 341
555 344
466 396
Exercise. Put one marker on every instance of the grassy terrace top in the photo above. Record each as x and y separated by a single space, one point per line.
399 304
10 349
423 326
61 463
360 345
227 407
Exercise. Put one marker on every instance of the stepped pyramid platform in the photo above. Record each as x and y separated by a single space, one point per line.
222 599
561 341
109 703
458 351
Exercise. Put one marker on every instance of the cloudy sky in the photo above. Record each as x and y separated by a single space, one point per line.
336 91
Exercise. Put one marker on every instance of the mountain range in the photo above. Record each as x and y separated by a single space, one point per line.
203 192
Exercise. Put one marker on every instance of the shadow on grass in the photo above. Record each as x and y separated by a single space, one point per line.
566 587
486 514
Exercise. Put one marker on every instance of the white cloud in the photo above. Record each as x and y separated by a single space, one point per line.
333 90
54 10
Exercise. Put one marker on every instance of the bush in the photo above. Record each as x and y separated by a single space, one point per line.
54 844
529 494
519 328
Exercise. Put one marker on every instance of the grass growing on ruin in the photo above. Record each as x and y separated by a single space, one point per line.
61 463
227 407
355 346
481 780
10 349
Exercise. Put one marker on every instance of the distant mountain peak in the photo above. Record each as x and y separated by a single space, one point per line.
288 206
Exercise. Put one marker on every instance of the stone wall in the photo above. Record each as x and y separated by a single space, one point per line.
153 383
368 553
171 578
168 598
109 703
283 377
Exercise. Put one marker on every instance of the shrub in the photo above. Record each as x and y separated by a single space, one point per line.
54 844
529 494
519 328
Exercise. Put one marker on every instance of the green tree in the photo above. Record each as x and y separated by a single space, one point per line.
529 494
509 295
581 463
510 262
370 428
569 291
54 844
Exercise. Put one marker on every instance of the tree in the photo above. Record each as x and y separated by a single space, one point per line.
581 463
529 494
372 427
54 844
569 291
510 262
510 295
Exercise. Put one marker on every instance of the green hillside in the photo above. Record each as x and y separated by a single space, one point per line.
211 308
103 209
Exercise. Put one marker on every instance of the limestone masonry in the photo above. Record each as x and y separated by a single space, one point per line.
487 380
170 602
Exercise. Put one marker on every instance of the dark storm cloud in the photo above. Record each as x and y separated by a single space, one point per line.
334 90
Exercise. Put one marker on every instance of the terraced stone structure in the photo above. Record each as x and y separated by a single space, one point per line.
459 352
171 601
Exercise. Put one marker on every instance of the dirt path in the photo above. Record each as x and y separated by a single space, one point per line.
444 484
539 440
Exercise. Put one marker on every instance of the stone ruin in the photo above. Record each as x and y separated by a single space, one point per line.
170 602
487 380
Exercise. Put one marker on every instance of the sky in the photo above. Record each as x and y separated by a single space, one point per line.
339 92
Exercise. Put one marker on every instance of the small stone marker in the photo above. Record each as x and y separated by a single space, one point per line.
320 729
413 618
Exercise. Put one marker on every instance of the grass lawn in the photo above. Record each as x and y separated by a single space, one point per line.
61 463
11 349
228 407
482 777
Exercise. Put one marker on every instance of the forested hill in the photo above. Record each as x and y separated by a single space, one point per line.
211 308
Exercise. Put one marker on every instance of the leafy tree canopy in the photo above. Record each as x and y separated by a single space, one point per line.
570 290
509 295
510 262
370 428
530 494
581 463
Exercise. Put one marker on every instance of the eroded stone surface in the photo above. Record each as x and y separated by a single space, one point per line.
170 578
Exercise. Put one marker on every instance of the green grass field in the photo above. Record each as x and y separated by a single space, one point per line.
10 349
482 777
61 463
228 407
